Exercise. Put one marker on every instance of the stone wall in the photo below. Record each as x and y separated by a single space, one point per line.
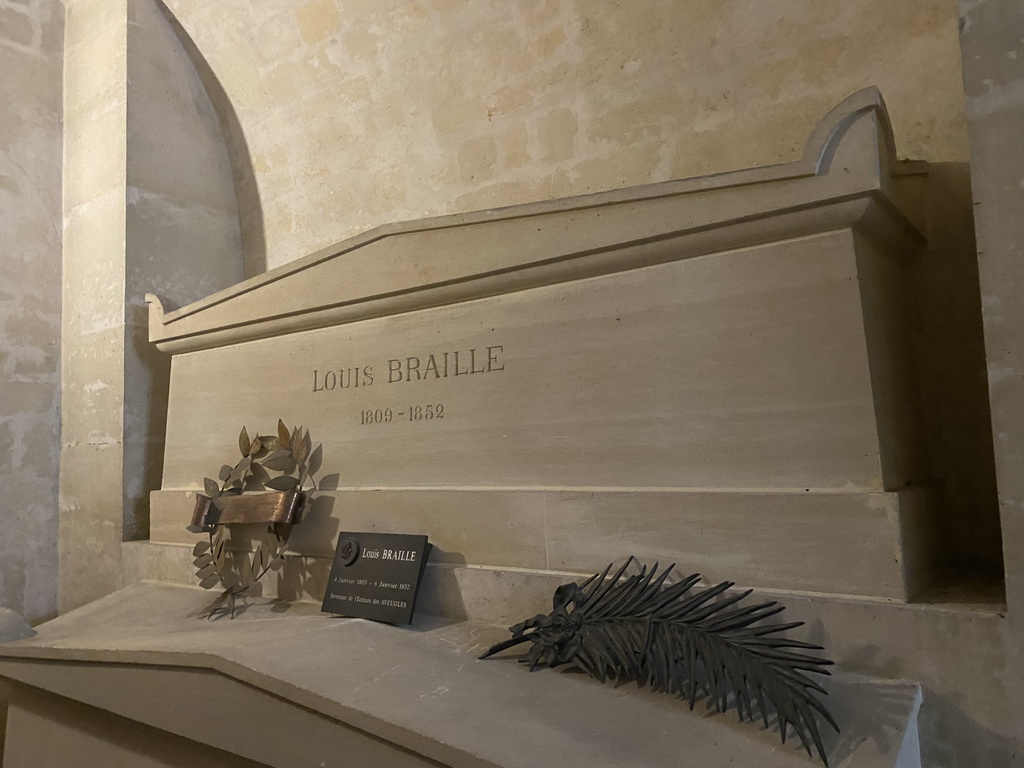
360 112
993 65
31 42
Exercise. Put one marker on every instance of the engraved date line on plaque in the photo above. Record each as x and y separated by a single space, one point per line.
428 412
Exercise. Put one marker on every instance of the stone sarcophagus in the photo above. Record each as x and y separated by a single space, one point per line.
716 372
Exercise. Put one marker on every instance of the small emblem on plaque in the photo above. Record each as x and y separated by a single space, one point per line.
348 551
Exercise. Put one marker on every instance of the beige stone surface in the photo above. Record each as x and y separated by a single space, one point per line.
94 232
30 277
484 594
844 543
46 731
13 626
838 542
993 70
351 689
182 227
92 371
149 201
608 96
698 377
482 526
96 151
90 532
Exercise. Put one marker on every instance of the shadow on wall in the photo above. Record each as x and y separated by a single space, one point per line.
958 726
250 211
950 348
155 370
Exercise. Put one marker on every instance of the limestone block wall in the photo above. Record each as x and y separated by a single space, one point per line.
31 43
359 112
347 114
148 200
993 66
92 371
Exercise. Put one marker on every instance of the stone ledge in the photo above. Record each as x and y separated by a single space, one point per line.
418 695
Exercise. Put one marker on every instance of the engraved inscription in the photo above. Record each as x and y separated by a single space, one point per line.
445 364
427 412
425 367
342 378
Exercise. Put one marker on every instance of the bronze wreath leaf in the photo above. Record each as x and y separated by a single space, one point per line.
692 645
207 569
202 560
209 582
280 460
316 459
283 483
302 449
260 561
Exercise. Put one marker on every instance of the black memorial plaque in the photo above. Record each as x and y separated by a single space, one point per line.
376 576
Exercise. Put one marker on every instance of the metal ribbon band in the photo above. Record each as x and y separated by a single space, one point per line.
250 508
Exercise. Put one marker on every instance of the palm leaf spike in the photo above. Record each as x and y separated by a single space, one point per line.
688 644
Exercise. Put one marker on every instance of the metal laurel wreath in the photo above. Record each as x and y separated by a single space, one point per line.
289 455
690 644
